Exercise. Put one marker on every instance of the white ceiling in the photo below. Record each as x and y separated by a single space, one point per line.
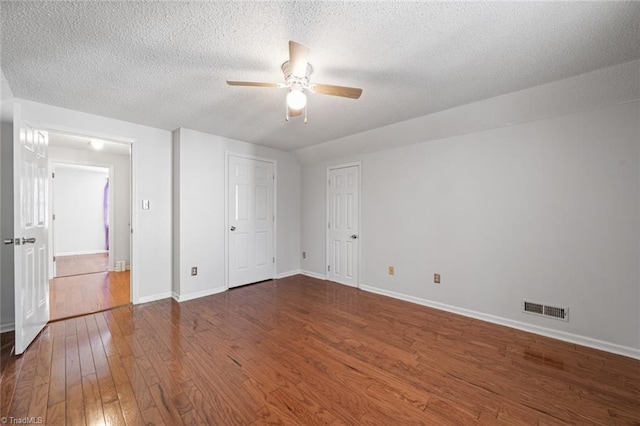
164 64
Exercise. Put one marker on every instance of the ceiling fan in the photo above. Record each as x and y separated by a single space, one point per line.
297 72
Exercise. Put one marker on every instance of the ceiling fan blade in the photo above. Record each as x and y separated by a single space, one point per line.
294 112
298 58
329 89
252 84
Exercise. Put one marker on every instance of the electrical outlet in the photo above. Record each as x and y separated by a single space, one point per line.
304 254
436 278
194 271
392 270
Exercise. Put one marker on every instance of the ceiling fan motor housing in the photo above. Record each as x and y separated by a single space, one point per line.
294 81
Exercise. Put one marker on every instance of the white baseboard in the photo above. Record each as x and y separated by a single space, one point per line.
4 328
154 297
197 294
78 253
287 274
543 331
128 268
313 275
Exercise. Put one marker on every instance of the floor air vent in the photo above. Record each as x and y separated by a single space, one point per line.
545 310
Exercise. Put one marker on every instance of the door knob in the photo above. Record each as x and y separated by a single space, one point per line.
28 240
354 236
233 228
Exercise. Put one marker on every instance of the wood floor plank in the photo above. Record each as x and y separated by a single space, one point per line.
92 401
75 414
57 380
126 397
23 390
113 413
106 385
56 414
302 351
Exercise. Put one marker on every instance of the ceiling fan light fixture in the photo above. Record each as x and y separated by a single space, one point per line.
96 144
296 99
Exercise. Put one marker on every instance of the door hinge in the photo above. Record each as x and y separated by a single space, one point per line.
53 175
54 258
54 216
274 259
328 225
329 268
329 182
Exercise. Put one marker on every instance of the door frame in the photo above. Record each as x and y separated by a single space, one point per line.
111 168
133 214
226 208
328 215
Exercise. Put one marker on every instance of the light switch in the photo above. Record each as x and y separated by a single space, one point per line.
145 204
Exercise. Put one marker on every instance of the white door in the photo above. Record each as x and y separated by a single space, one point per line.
251 220
343 212
30 230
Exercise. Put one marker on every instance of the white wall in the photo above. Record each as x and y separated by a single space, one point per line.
177 219
199 221
78 197
6 203
151 168
546 210
6 227
121 183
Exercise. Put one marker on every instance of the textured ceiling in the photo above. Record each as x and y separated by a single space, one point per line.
164 64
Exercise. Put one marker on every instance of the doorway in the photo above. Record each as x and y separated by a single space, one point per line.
81 219
343 224
90 235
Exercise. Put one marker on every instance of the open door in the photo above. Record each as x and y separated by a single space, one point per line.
30 180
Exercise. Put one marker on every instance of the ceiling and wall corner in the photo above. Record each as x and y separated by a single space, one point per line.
5 90
607 86
6 99
164 64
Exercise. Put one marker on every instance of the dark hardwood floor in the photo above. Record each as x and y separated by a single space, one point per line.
88 293
302 351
